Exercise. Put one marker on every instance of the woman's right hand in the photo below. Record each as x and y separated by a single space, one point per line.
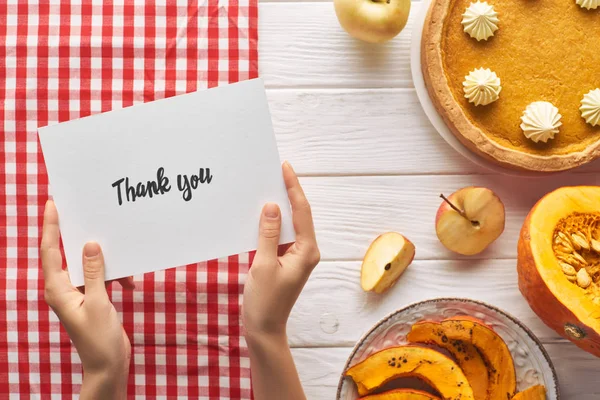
275 282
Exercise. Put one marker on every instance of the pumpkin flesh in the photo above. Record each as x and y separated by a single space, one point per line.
434 368
571 311
466 355
501 369
537 392
401 394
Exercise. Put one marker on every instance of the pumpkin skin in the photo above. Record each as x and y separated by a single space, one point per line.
434 368
562 305
501 369
537 392
401 394
466 355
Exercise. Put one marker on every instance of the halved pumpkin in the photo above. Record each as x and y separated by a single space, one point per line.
466 355
401 394
501 369
537 392
559 263
434 368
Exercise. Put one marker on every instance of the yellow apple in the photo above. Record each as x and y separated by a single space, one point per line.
386 259
469 220
373 21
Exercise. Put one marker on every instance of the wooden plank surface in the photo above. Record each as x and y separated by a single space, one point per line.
303 45
351 211
344 132
330 132
347 117
319 319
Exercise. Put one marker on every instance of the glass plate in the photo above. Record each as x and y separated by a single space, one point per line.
532 363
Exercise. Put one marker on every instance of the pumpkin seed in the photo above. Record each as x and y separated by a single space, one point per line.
563 237
567 250
579 240
583 278
565 243
568 269
579 258
595 245
576 246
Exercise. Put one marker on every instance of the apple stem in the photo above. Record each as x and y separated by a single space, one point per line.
461 212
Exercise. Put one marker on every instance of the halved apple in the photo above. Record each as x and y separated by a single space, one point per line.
469 220
386 259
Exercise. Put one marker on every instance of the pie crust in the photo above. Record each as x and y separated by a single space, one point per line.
462 119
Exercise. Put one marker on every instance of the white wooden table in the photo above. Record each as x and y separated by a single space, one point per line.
347 117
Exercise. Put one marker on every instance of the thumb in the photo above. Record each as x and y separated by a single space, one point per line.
93 269
269 230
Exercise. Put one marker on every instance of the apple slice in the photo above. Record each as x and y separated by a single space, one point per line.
386 259
469 220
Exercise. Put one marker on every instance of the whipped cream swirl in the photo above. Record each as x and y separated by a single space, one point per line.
480 20
541 121
482 87
590 107
589 4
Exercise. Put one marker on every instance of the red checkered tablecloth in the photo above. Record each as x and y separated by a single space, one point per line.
64 61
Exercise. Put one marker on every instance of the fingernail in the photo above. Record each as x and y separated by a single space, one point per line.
91 249
271 210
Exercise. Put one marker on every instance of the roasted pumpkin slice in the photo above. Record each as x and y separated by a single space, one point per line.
501 368
559 263
537 392
401 394
466 355
436 369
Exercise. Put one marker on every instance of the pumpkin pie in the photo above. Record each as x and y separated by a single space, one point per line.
546 53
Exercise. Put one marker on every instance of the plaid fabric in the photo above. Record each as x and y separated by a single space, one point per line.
64 61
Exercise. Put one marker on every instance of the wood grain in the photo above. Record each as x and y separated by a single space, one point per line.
350 212
331 132
344 132
303 45
346 115
320 369
334 311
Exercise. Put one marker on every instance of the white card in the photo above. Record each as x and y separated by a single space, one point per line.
220 139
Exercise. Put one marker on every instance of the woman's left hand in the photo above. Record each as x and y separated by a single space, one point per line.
89 317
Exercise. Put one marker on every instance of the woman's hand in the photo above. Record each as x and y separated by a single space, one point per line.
275 282
89 318
271 290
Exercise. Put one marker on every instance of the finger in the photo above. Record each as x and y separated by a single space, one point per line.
301 212
93 270
50 247
269 231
